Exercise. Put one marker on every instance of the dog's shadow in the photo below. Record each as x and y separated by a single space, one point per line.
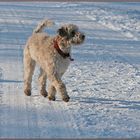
10 81
113 103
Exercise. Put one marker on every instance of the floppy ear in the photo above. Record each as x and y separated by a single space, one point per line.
62 32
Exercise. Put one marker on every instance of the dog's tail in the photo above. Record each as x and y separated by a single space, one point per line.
42 25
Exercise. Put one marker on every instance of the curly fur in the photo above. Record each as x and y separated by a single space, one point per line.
40 49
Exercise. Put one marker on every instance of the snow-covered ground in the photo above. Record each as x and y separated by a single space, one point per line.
103 81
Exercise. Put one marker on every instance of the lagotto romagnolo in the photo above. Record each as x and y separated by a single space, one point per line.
53 55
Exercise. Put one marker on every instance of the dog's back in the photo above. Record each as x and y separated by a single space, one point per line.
39 42
40 48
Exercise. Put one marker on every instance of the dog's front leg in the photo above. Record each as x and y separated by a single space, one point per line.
60 87
51 92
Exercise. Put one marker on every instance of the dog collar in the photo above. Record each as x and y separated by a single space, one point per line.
64 55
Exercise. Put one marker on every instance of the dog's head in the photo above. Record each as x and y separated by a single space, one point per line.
72 34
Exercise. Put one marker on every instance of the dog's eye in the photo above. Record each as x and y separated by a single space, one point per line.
73 33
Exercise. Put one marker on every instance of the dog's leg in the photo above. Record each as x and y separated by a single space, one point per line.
42 82
51 92
60 87
29 66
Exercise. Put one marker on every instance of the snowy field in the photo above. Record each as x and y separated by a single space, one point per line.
103 81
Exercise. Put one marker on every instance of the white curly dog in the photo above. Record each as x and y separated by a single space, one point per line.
52 54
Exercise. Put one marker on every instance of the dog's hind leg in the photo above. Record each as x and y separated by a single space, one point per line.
42 82
29 66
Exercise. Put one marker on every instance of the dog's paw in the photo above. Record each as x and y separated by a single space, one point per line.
44 93
66 98
27 92
51 98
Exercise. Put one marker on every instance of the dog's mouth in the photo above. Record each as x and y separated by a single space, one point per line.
79 41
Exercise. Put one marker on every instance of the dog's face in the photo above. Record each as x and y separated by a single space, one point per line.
71 33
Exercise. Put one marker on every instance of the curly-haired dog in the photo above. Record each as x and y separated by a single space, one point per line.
52 53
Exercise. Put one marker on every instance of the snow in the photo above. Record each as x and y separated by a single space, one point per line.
103 81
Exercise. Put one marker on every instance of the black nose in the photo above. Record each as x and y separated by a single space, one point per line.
83 37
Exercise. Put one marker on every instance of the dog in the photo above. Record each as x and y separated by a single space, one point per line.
53 55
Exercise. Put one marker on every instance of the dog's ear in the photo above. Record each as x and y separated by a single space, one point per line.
62 32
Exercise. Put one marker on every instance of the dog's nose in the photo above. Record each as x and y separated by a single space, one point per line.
83 37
